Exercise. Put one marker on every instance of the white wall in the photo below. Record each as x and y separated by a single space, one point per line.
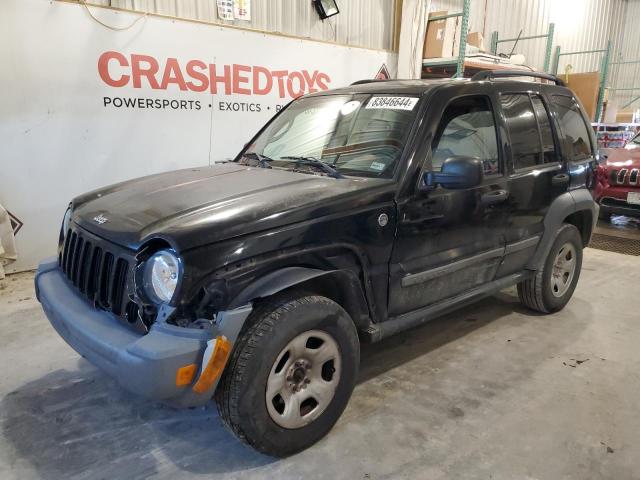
58 139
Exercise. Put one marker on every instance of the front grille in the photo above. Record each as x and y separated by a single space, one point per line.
624 176
100 271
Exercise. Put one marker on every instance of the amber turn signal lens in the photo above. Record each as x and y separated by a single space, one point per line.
184 375
215 365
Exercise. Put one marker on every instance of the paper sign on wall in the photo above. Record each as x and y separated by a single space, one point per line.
242 9
225 9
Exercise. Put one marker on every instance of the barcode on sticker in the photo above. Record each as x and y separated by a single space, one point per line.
395 103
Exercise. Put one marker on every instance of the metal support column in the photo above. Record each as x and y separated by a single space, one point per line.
549 47
604 78
494 42
463 38
556 61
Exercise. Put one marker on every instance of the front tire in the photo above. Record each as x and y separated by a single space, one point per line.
291 374
552 287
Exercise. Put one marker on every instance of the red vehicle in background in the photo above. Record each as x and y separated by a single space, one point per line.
618 187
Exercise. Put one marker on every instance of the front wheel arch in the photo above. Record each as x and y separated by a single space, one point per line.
341 286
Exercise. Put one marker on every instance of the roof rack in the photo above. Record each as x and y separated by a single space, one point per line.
490 74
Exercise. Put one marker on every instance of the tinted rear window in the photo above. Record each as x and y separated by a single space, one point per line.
576 141
523 130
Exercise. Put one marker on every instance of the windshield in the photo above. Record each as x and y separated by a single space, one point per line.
361 135
636 139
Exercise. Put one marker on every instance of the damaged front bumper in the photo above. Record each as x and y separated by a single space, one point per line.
154 365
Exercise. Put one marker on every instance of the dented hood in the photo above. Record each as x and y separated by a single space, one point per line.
199 206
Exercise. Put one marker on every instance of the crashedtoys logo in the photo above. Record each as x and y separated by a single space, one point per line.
144 71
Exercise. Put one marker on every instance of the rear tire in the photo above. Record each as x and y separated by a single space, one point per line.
296 350
552 287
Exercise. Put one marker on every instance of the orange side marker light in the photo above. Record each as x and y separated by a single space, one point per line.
215 366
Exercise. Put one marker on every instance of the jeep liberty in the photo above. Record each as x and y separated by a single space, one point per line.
351 215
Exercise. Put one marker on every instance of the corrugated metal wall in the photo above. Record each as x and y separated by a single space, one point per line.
362 23
579 25
628 75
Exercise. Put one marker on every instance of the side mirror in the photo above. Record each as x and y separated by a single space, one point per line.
457 172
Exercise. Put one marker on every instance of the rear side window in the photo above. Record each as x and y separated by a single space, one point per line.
576 141
523 130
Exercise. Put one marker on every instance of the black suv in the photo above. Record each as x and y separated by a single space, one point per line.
352 215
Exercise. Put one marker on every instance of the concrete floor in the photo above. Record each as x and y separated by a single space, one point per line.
491 392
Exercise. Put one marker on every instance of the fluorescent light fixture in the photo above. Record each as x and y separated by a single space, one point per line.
326 8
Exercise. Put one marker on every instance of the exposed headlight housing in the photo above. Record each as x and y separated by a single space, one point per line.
161 276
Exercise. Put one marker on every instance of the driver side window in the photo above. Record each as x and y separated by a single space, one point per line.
467 128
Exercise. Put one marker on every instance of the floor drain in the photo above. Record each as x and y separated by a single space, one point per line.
627 246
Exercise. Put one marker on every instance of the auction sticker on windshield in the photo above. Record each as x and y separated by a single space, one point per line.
394 103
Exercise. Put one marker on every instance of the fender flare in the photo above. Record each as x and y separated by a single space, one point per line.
562 207
288 277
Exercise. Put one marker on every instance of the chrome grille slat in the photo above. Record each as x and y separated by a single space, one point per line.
72 246
105 280
622 175
84 266
118 285
77 254
65 251
94 270
613 177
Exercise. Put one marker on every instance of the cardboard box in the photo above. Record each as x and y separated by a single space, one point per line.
457 35
477 40
440 37
624 117
585 86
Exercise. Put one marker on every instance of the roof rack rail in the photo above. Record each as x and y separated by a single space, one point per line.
370 80
490 74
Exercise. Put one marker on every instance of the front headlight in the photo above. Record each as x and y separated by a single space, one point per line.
161 276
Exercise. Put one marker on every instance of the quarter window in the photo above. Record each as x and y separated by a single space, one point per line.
467 128
576 141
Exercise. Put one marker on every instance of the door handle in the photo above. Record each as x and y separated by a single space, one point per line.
494 196
560 179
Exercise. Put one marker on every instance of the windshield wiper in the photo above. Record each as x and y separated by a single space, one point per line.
314 162
263 161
